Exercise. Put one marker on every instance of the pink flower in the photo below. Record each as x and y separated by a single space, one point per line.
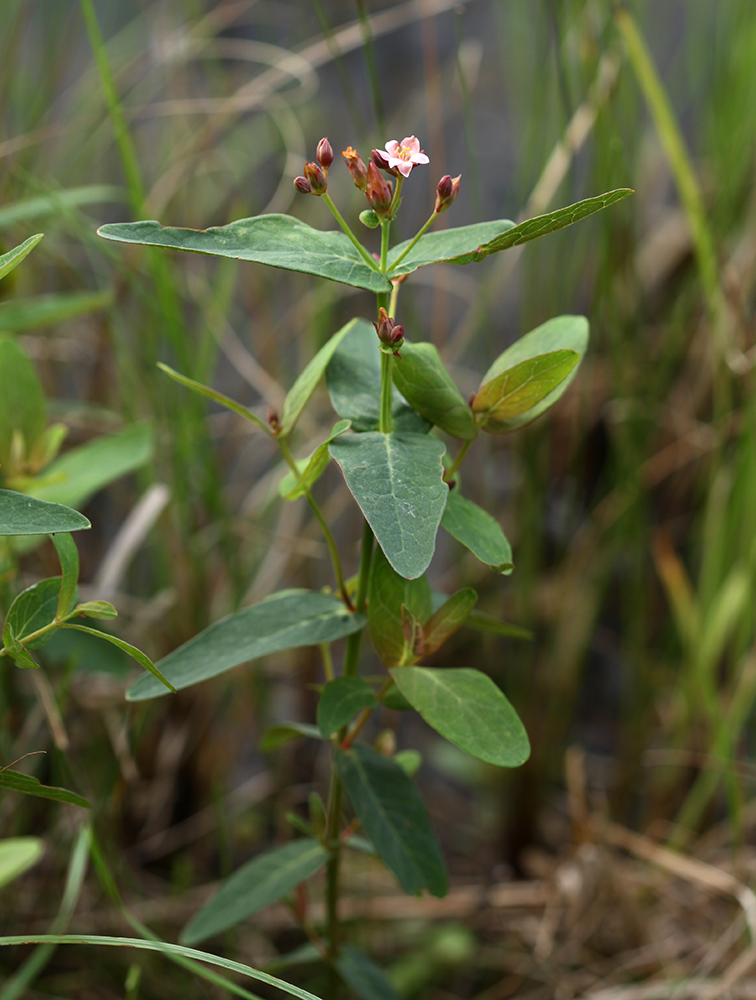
405 155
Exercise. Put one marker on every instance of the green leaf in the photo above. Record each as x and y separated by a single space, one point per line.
446 245
14 257
444 622
428 387
410 761
22 404
397 481
393 816
387 593
217 397
32 609
518 390
312 467
487 623
258 884
96 609
304 386
531 229
21 515
17 854
394 699
47 310
134 653
68 555
17 782
474 528
363 976
469 710
340 700
353 378
276 240
285 620
562 333
57 201
286 732
78 474
16 651
46 447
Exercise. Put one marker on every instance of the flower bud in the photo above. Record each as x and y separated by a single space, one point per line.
390 334
356 167
325 154
316 177
273 422
446 192
381 161
378 191
302 185
370 219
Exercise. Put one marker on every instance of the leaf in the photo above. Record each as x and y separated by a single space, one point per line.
14 257
22 404
217 397
21 515
68 555
518 390
422 379
17 782
312 467
57 201
394 699
353 379
102 610
17 854
32 609
304 386
16 651
444 622
276 240
445 245
392 813
387 592
469 710
487 623
474 528
410 761
285 620
285 732
76 476
134 653
47 310
340 700
363 976
397 481
531 229
258 884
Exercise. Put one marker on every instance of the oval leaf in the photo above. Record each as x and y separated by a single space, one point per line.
469 710
9 260
96 609
32 609
387 593
427 386
474 528
518 390
340 700
22 515
304 386
17 782
17 854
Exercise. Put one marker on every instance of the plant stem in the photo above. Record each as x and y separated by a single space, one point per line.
364 716
385 227
354 642
325 652
392 300
335 796
458 460
397 193
342 222
386 422
421 232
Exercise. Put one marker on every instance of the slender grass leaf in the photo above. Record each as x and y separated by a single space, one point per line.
303 388
474 528
14 257
340 700
353 378
133 652
387 593
469 710
17 854
23 409
285 620
276 240
68 555
47 310
363 976
217 397
397 481
428 387
518 390
286 732
393 816
22 515
312 467
53 203
445 245
444 622
34 608
14 781
258 884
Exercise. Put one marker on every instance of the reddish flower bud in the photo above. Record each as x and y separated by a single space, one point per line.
302 185
389 333
325 154
446 192
356 167
381 161
378 191
316 178
273 422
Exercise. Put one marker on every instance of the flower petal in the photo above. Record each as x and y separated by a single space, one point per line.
412 143
392 147
420 158
404 167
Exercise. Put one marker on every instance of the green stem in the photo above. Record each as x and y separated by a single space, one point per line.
397 193
335 797
385 227
458 460
354 642
387 424
420 233
342 222
392 300
325 652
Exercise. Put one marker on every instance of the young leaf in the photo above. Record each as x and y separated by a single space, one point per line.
68 555
17 854
353 379
16 651
23 409
285 620
304 386
276 240
474 528
32 609
392 813
340 700
22 515
444 622
217 397
286 732
17 782
312 467
445 244
397 481
469 710
410 761
363 976
427 386
134 653
96 609
9 260
261 882
516 391
387 592
47 310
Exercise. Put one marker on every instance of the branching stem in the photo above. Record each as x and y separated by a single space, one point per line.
345 227
420 233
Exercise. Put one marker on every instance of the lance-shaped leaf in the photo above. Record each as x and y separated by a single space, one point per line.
126 647
17 854
474 528
393 815
340 700
216 397
16 782
363 976
34 608
312 467
353 378
397 481
22 515
14 257
23 410
47 310
429 388
387 593
260 883
445 621
469 710
286 732
285 620
445 245
68 555
518 390
303 388
482 622
276 240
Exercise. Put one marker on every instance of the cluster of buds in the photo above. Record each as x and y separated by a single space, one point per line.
446 192
315 180
390 334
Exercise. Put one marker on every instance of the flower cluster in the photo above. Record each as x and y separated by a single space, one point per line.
390 334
